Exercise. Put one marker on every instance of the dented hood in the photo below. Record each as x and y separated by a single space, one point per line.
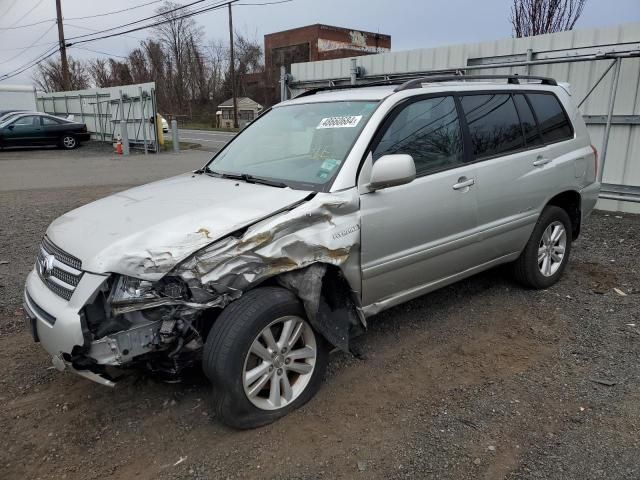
146 231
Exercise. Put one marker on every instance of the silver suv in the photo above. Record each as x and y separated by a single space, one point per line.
326 210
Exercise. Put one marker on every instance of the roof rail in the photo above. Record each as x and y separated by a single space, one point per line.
512 79
377 83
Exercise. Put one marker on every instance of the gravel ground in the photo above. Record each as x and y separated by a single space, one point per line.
481 379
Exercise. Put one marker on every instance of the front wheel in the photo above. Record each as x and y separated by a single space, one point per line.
546 254
68 142
263 358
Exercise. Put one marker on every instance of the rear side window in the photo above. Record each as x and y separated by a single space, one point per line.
494 125
429 131
50 121
529 127
553 121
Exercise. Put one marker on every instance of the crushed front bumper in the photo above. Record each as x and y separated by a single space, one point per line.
56 323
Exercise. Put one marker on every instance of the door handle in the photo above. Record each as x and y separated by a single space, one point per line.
464 182
540 161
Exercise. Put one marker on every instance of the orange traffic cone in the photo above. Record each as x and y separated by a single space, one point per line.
119 145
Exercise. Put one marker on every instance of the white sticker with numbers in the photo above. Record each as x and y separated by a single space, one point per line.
347 121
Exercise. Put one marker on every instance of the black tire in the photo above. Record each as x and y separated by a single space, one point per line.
525 268
226 350
68 141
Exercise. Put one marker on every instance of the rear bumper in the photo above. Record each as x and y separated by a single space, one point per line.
83 137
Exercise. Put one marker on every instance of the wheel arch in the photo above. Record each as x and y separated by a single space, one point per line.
571 202
332 306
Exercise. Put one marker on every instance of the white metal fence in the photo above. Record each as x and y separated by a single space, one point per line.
602 65
106 110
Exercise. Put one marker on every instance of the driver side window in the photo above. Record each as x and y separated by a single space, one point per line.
429 131
26 122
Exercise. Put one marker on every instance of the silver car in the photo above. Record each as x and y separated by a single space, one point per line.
326 210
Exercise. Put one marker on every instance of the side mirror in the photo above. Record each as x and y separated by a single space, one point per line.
391 171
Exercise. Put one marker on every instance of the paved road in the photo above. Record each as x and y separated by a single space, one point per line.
210 140
87 166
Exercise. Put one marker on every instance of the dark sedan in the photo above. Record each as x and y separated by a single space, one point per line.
30 128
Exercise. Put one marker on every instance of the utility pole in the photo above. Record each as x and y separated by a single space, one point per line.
63 48
232 67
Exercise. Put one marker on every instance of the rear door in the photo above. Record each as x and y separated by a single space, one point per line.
507 146
418 234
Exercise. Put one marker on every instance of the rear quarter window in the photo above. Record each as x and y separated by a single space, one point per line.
552 119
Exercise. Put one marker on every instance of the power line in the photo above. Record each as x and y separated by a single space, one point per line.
29 24
151 25
23 16
265 3
141 20
12 27
30 46
97 31
115 11
32 63
13 4
50 53
205 9
100 53
13 49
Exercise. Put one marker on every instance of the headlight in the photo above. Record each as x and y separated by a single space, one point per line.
132 290
129 294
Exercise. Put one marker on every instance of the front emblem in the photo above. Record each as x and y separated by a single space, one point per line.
47 265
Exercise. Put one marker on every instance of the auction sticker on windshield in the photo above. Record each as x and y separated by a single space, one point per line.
346 121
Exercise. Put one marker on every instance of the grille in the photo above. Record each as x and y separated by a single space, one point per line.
58 270
61 255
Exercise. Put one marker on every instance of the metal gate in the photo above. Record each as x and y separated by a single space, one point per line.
105 112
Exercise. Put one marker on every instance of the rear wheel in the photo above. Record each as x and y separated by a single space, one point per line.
546 254
263 358
68 142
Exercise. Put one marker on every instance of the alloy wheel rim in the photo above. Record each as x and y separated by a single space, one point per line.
551 249
280 363
69 142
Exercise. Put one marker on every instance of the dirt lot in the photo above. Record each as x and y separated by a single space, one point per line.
479 380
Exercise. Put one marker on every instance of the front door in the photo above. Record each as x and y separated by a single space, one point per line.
418 235
24 131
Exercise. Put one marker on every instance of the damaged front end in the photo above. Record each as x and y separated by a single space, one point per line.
311 248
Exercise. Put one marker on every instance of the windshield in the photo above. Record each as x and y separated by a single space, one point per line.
302 146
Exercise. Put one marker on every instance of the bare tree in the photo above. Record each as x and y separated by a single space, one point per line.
535 17
49 77
99 72
177 36
217 55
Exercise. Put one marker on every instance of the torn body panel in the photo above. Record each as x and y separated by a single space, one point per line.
314 242
296 247
144 232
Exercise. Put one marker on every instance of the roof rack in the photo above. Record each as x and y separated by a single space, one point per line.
377 83
417 82
512 79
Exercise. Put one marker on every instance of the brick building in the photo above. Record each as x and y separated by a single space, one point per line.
308 44
320 42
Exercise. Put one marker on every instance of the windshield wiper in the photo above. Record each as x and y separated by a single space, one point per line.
249 178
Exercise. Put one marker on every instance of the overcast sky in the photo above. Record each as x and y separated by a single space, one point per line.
411 23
